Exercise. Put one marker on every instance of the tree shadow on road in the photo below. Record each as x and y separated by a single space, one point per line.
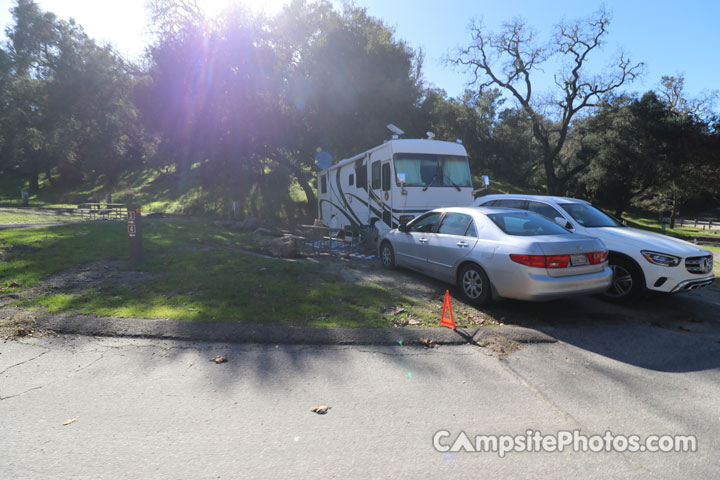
671 333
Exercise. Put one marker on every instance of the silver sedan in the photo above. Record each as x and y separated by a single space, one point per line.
498 252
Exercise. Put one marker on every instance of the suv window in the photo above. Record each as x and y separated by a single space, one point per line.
455 224
526 224
589 216
512 203
543 209
425 223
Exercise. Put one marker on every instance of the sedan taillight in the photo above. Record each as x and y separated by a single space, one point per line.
558 261
529 260
598 257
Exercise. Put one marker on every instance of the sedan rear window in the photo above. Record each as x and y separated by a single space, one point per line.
526 224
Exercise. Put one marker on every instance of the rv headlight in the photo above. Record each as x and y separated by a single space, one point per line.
661 259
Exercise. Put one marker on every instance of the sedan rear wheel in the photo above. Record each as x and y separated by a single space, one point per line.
474 284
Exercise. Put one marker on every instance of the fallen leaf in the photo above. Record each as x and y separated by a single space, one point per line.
427 342
219 359
321 409
412 321
72 420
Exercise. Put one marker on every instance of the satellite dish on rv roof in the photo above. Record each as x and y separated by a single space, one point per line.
394 129
323 160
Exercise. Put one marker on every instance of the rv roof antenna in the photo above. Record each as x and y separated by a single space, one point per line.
394 130
430 135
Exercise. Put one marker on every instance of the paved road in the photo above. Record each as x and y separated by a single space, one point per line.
152 409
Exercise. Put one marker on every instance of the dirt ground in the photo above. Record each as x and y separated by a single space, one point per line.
687 312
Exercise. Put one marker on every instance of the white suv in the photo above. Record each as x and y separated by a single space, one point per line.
638 258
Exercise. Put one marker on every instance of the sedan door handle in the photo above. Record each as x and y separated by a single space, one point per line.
423 240
462 244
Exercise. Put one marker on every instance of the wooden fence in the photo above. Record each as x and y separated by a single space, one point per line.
699 223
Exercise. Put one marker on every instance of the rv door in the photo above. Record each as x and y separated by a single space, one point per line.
387 193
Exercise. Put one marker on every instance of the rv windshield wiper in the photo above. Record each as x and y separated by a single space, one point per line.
431 182
454 185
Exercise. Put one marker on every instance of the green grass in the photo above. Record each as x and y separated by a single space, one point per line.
648 221
499 186
165 192
155 191
716 263
192 271
21 216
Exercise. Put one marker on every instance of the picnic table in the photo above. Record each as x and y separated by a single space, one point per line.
327 239
105 211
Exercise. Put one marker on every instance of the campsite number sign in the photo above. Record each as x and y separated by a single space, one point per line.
134 217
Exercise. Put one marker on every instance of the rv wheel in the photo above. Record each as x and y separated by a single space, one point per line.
387 255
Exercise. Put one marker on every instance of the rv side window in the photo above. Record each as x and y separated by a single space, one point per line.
351 179
361 174
386 177
323 183
376 175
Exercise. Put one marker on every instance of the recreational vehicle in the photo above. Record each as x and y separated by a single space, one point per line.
393 183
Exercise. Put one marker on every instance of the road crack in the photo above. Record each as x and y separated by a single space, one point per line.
25 361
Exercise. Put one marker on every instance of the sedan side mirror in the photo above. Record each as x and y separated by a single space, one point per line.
563 223
403 227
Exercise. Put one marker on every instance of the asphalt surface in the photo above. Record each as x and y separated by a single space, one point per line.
159 407
149 408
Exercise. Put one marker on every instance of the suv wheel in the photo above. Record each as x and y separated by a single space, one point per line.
627 280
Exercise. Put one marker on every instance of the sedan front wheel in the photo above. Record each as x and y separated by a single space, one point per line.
387 255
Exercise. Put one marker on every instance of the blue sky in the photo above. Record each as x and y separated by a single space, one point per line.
670 37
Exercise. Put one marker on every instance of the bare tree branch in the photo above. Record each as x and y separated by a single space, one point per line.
508 60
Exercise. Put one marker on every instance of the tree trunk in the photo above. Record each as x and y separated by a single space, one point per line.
307 188
552 183
673 211
34 182
49 178
311 199
619 212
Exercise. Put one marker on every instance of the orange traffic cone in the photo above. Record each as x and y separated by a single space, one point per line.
447 322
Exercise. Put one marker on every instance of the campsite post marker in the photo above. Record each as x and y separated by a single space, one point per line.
134 218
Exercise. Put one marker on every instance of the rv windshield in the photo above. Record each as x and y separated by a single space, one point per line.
425 170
